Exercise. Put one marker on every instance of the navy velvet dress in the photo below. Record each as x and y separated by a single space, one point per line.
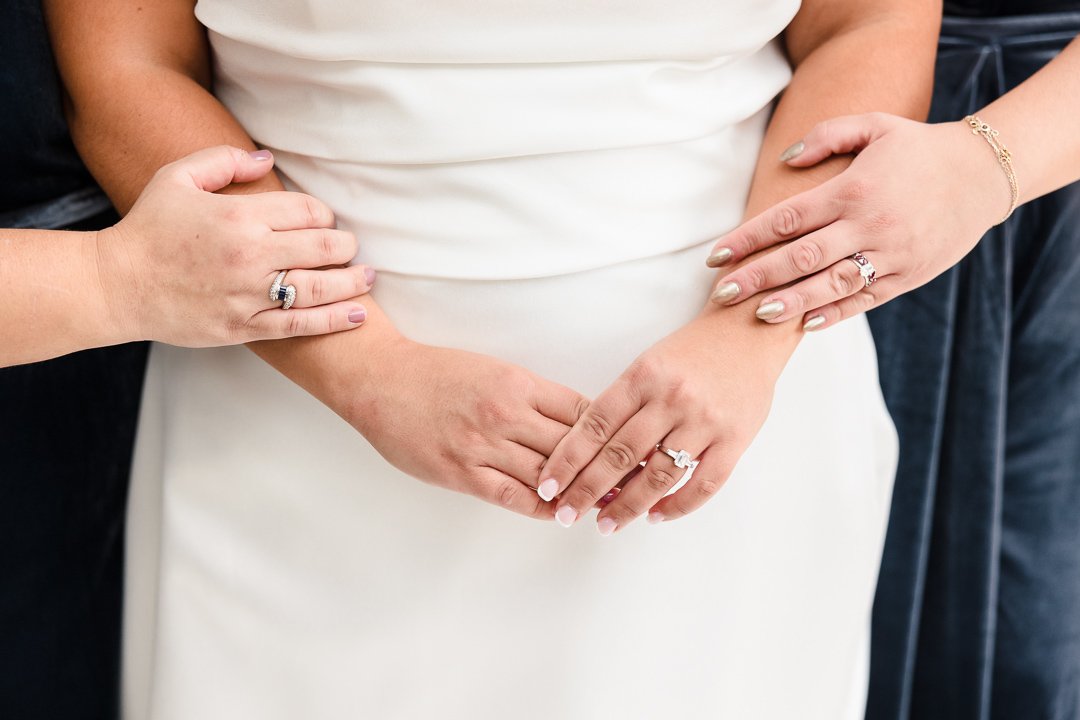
977 615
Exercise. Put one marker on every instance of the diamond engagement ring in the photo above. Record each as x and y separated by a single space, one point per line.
682 460
866 268
284 294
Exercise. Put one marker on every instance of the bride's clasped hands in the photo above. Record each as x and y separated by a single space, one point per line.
699 390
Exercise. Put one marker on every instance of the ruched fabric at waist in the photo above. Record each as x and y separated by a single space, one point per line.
488 171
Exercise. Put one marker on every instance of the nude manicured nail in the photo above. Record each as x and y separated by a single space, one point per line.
565 516
720 257
548 489
357 316
770 310
606 526
792 152
814 323
655 518
369 275
261 155
726 293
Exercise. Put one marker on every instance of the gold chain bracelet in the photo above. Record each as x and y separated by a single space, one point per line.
978 127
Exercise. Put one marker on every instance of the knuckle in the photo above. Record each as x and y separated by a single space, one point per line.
295 324
842 282
315 213
786 221
318 293
755 276
642 372
618 457
581 404
508 492
660 479
595 426
491 411
327 248
707 487
806 256
855 190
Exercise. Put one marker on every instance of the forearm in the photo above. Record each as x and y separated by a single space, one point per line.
55 303
885 64
1037 122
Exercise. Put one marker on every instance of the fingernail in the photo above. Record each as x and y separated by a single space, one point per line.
792 152
720 257
814 323
606 526
357 316
565 516
261 155
548 489
369 275
655 517
726 292
770 310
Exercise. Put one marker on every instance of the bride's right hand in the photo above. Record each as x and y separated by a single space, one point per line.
193 268
466 422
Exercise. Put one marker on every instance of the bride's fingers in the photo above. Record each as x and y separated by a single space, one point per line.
519 462
708 478
798 215
558 402
660 476
799 259
628 447
538 432
841 280
321 287
594 428
500 489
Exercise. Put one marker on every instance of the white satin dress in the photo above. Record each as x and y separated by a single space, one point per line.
538 180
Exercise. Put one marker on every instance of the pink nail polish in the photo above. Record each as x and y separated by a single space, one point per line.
655 518
548 489
357 316
606 526
369 275
261 155
565 516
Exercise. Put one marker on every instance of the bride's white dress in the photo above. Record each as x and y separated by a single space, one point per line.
538 180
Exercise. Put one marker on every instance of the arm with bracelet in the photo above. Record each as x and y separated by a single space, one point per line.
916 199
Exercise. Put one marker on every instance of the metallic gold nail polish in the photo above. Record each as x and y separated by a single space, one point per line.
792 152
814 323
720 257
726 293
770 310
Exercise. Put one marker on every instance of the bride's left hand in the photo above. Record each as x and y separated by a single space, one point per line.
692 391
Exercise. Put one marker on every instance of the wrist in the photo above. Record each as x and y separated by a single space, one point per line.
117 286
982 185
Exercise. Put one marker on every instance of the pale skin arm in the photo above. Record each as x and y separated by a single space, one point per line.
707 388
138 75
926 195
69 291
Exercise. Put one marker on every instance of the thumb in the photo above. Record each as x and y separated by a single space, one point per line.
217 167
839 136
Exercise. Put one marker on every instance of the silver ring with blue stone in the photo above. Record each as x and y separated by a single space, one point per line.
284 294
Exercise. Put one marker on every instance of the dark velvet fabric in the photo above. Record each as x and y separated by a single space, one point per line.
977 615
